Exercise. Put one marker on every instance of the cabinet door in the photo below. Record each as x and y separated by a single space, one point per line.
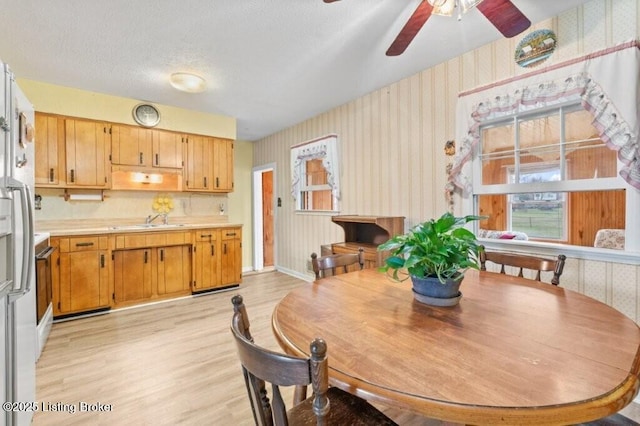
132 275
231 256
223 165
206 252
167 149
87 146
130 145
198 164
174 269
49 150
84 278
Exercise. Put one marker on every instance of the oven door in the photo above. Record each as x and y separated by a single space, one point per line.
44 292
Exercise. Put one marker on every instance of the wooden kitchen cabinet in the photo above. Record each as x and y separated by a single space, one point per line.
132 275
231 256
222 165
167 149
83 281
49 150
142 147
130 145
87 149
206 260
173 269
208 164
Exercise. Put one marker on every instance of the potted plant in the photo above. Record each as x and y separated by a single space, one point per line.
435 255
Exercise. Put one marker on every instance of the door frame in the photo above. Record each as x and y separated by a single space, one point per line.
258 232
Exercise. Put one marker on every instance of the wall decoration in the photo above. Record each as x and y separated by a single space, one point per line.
450 151
535 48
162 203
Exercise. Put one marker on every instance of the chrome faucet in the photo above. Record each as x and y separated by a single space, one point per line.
165 218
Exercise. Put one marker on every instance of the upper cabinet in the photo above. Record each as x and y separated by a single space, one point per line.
49 149
139 146
167 149
130 145
209 164
79 153
87 146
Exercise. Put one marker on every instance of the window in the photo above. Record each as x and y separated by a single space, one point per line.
548 174
315 175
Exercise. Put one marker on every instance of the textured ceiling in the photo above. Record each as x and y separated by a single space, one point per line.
268 63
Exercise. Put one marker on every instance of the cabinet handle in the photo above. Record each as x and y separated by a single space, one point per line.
157 162
217 182
88 244
205 235
161 255
205 181
51 175
213 250
146 253
140 159
73 175
231 234
102 260
224 251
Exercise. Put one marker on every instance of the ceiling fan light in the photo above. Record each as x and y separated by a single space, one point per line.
187 82
469 4
443 7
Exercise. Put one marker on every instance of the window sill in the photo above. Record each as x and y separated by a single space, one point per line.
573 252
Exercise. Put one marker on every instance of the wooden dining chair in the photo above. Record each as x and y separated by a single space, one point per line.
327 405
534 263
334 263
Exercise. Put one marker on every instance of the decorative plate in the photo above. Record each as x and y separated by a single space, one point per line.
535 48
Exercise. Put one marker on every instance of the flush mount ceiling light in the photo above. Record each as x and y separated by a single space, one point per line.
187 82
448 7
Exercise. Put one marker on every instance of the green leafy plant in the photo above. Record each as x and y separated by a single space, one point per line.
440 248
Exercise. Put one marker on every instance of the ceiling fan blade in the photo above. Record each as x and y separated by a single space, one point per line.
410 29
505 16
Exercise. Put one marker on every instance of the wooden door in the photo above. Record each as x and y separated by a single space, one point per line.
130 145
132 275
267 218
84 280
174 265
167 149
231 256
49 150
198 163
87 153
206 260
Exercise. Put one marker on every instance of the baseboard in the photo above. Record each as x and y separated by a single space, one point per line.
296 274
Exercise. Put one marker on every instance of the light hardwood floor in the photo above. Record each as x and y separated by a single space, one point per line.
165 364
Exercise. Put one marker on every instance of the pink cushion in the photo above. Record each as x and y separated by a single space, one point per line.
507 236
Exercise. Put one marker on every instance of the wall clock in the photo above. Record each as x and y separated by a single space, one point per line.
146 115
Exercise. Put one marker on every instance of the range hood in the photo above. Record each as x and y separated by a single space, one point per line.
145 179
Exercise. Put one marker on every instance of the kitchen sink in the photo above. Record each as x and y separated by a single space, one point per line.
147 226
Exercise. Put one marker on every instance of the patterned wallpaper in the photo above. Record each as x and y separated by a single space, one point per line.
392 147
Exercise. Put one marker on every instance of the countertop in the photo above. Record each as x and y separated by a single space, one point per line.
122 225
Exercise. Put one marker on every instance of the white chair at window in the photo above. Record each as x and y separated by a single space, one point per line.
610 238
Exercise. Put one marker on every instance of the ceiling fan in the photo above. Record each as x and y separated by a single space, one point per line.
503 14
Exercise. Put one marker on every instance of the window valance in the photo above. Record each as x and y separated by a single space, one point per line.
325 148
607 84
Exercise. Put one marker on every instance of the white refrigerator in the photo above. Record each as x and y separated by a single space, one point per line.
17 259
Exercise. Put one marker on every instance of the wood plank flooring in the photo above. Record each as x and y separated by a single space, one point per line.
165 364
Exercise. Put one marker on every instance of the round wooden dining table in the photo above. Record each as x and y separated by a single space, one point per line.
513 351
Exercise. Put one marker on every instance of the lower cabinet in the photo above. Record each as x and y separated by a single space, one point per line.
132 275
174 269
217 258
95 272
83 282
231 256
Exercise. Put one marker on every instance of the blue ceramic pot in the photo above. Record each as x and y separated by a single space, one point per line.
431 291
